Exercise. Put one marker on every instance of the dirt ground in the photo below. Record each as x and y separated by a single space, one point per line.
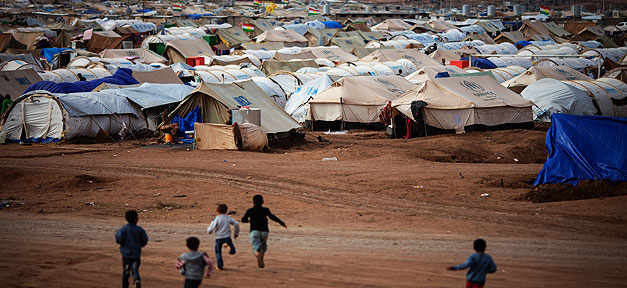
387 213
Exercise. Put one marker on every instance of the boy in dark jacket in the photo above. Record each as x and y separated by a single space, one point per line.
131 238
258 218
192 264
479 263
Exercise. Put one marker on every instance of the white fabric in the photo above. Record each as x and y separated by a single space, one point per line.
553 96
298 104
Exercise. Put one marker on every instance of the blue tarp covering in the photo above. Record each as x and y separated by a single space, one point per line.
121 77
332 24
187 123
442 75
482 63
585 148
50 52
523 43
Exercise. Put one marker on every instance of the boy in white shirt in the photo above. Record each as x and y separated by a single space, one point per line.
221 226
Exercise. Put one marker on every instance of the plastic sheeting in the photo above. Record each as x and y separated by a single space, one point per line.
121 77
585 148
552 96
298 104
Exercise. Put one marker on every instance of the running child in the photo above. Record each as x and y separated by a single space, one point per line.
221 226
258 218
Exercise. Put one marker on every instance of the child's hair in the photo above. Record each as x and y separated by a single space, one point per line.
222 208
479 245
258 199
131 216
193 243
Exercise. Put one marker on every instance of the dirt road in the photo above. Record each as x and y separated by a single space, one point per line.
388 213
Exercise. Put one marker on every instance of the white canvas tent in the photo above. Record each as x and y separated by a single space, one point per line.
298 104
458 102
533 74
357 99
429 72
43 117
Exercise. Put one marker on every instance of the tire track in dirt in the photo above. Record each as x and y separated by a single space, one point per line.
366 202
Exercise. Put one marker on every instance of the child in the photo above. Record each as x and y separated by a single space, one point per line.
479 263
131 238
258 217
192 264
223 232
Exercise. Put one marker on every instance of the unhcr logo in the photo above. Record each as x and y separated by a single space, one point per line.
472 86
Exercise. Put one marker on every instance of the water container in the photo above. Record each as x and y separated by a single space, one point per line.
466 10
491 11
517 10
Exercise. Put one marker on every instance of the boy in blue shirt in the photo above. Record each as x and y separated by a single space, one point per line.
479 263
131 238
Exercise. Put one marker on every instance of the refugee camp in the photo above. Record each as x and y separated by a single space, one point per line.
313 143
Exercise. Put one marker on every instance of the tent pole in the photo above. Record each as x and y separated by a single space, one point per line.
341 114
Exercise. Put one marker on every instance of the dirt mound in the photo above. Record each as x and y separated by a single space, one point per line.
586 189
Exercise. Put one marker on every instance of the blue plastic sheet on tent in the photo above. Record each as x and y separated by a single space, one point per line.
39 140
332 24
197 16
523 43
121 77
585 148
187 123
49 53
482 63
442 75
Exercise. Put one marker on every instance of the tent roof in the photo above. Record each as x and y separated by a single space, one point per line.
190 48
233 36
364 90
149 95
463 92
280 36
413 55
161 76
536 73
392 25
246 93
16 82
429 72
145 55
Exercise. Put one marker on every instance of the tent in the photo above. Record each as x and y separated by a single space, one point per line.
272 88
425 73
161 76
270 66
448 55
510 37
319 37
577 97
138 54
334 54
71 75
214 100
533 74
415 56
289 38
233 36
101 40
503 74
357 99
178 50
459 102
392 25
585 148
298 104
121 77
244 136
348 43
14 83
43 117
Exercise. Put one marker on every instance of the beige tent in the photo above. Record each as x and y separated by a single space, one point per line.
161 76
289 38
233 36
448 55
215 99
535 73
178 50
441 26
483 37
392 25
270 66
363 52
27 38
511 37
101 40
556 29
16 82
458 102
263 46
143 55
429 72
371 36
304 55
413 55
332 53
349 43
357 99
319 37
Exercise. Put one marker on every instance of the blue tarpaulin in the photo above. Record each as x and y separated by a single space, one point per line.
121 77
187 123
482 63
523 43
332 24
442 75
585 148
50 52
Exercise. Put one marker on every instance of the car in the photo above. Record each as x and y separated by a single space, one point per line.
622 26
